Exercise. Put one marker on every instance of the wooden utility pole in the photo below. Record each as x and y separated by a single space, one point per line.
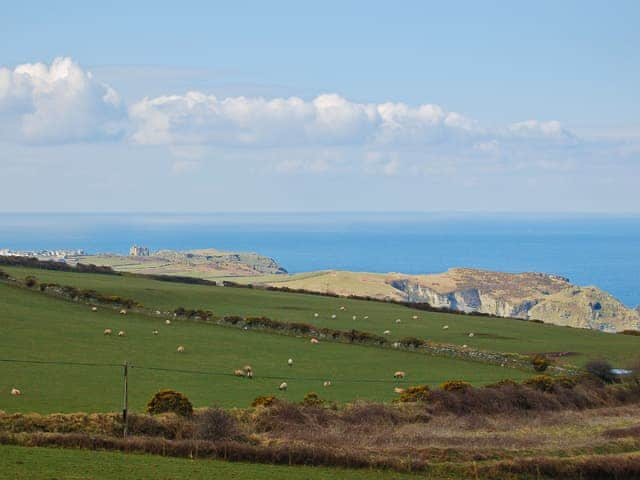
125 409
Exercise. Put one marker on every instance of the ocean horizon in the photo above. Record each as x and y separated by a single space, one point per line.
600 250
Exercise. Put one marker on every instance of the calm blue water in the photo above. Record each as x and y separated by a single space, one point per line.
590 250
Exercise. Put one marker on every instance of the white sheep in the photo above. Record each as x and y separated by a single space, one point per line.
333 316
94 309
238 372
341 307
155 332
366 317
121 333
398 320
326 383
314 341
248 368
415 317
315 315
395 344
445 327
387 332
108 331
399 374
283 386
398 390
180 349
290 362
16 392
354 317
471 334
464 346
158 312
123 312
250 374
167 322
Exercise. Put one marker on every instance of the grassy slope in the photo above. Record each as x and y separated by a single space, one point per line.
34 326
47 463
496 334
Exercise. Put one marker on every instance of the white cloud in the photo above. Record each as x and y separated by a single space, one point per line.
57 103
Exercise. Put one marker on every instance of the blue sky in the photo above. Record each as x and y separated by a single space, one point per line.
489 106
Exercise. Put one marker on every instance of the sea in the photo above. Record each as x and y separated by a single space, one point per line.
601 250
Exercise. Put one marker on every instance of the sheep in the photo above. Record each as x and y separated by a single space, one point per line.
333 316
250 374
398 320
398 390
108 331
341 307
464 346
290 362
158 312
445 327
314 341
238 372
316 315
399 374
387 332
94 309
16 392
395 344
180 349
283 386
121 333
123 312
326 383
248 368
366 317
471 334
155 332
167 322
415 317
354 317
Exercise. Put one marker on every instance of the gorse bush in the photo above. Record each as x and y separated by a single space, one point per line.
455 386
544 383
312 399
565 381
263 401
170 401
505 382
540 363
417 393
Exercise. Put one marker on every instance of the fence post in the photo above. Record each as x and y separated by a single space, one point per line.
125 409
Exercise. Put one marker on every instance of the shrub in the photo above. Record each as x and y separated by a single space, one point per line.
170 401
312 399
540 363
601 369
263 401
418 393
217 424
30 281
540 382
412 342
505 382
455 386
635 333
565 381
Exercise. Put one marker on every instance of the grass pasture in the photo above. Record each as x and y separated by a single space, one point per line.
495 334
36 327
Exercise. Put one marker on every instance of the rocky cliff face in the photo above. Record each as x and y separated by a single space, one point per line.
549 298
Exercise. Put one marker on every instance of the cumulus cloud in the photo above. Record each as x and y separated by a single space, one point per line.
57 103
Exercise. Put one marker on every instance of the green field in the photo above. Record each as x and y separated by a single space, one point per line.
21 463
34 326
496 334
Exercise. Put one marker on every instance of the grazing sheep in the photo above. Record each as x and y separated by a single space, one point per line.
366 317
180 349
248 368
158 312
238 372
445 327
326 383
121 333
290 362
395 344
333 316
399 374
16 392
314 341
123 312
315 315
167 322
415 317
398 390
94 309
108 331
155 332
283 386
387 332
464 346
341 307
250 374
398 320
354 317
471 334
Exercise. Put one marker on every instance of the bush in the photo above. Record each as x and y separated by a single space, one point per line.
217 424
601 369
312 399
170 401
505 382
565 381
634 333
540 382
418 393
540 363
412 342
455 386
30 281
263 401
